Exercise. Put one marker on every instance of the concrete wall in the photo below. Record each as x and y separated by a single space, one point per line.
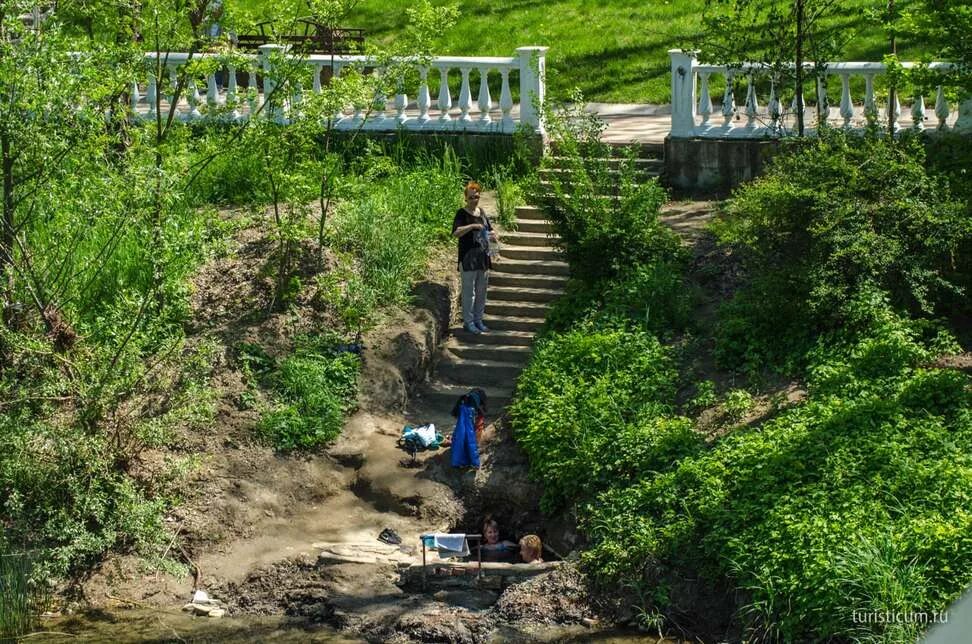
713 167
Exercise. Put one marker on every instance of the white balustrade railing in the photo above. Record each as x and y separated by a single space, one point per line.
227 99
693 112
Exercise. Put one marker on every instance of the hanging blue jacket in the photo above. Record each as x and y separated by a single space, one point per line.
465 451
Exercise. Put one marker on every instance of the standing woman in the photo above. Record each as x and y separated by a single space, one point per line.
475 233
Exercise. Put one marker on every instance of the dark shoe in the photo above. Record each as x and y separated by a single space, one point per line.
390 537
482 327
472 328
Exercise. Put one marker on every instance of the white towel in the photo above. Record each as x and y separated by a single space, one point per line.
449 545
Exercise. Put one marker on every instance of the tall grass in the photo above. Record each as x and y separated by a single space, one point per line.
388 227
17 594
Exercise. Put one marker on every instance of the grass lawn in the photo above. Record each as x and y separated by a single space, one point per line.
613 50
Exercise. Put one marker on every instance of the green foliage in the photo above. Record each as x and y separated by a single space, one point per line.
384 232
854 500
593 408
313 389
605 214
833 219
19 594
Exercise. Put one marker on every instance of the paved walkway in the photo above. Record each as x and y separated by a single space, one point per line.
633 123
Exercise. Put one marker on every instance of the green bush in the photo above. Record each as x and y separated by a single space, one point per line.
385 230
593 409
855 500
833 218
605 214
314 389
651 296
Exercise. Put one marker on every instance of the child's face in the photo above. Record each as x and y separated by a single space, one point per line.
492 535
525 553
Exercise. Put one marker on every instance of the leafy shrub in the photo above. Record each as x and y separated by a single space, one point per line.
592 409
649 296
314 389
385 231
855 500
605 215
833 218
737 404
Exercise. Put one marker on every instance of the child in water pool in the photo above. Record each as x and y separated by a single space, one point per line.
531 549
491 547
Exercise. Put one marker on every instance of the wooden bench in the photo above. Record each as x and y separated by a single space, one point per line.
314 38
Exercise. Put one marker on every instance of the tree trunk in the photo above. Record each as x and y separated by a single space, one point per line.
891 87
7 232
800 16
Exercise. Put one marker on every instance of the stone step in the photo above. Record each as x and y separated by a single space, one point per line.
534 226
516 309
528 239
443 395
511 323
545 253
511 353
530 212
530 267
519 294
495 335
477 373
548 282
640 167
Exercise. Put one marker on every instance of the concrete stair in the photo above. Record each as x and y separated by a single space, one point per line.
527 277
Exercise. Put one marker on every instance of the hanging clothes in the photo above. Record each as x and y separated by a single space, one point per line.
465 450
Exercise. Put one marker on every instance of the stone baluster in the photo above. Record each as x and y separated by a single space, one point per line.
212 90
705 99
133 97
380 106
752 105
485 101
424 100
252 91
318 68
401 102
774 107
465 99
173 84
192 94
336 73
963 123
801 108
152 95
846 104
683 92
823 101
870 105
728 101
533 72
506 101
894 108
941 108
296 101
445 97
918 112
231 92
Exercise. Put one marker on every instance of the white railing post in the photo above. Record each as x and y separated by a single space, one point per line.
533 71
683 92
964 121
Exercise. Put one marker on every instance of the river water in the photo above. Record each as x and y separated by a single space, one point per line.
158 626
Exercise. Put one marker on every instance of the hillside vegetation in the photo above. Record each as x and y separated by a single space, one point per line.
802 512
612 50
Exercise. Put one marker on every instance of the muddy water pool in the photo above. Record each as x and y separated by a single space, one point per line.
158 626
